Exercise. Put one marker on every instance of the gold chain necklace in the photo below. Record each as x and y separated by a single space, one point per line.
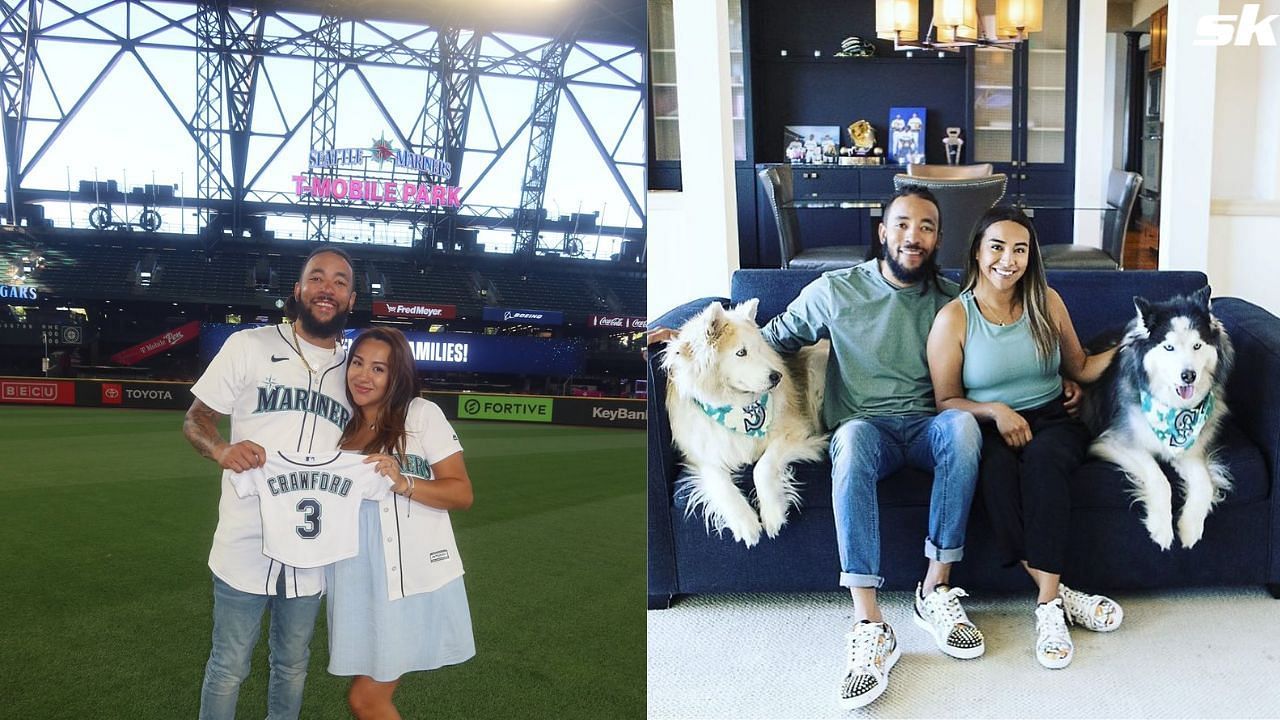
297 345
991 311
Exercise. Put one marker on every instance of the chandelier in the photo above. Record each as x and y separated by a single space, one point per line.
956 24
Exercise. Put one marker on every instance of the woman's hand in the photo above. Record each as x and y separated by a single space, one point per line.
387 465
1012 426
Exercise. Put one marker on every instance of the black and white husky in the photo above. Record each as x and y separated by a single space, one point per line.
1162 399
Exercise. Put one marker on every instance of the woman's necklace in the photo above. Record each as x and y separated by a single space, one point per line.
990 312
297 345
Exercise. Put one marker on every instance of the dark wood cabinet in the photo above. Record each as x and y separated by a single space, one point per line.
1159 34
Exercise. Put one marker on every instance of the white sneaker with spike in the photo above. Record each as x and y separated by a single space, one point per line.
1098 613
1054 649
941 615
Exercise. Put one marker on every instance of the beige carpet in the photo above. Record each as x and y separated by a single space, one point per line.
1206 653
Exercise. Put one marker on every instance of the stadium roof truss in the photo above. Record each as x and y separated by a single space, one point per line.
466 79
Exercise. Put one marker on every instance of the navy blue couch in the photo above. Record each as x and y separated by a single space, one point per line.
1109 550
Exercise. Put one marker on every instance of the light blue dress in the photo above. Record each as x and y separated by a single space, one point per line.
384 639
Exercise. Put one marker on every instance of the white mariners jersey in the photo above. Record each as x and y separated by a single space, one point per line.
310 504
419 549
259 379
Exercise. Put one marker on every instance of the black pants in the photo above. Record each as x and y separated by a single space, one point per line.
1026 490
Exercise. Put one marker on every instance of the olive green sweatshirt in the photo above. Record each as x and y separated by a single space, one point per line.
878 334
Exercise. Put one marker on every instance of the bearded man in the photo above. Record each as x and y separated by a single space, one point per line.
284 388
879 401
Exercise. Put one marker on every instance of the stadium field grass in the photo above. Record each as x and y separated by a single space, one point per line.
107 515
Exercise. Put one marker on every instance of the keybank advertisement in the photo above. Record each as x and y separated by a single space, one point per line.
462 352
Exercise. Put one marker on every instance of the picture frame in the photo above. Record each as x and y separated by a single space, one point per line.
811 144
907 127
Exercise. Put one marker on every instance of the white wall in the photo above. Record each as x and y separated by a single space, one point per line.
1244 230
1092 121
693 245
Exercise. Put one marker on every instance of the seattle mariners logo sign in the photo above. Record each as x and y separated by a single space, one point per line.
361 188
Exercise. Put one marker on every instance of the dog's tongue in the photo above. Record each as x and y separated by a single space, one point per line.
1185 391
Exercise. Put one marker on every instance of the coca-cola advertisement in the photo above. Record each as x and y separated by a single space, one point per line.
619 322
424 311
159 344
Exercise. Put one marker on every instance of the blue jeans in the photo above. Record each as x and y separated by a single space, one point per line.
864 452
237 617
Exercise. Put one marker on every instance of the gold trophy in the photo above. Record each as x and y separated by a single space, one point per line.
864 151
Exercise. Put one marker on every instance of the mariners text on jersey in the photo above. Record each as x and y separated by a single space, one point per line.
313 480
278 398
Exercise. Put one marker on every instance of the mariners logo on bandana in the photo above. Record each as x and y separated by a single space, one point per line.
752 420
1175 427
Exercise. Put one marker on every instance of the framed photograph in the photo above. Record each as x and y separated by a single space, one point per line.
811 144
906 135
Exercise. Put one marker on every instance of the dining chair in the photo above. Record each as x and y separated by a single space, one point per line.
950 171
778 188
961 203
1122 195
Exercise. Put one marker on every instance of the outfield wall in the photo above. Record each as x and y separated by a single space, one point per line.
593 412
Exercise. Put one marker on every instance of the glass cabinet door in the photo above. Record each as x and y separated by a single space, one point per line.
662 81
1047 87
994 110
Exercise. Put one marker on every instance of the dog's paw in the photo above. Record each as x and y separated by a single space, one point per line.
773 517
1190 530
747 533
1161 534
745 527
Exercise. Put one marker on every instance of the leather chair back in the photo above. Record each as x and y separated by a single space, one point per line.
961 203
778 188
950 171
1122 193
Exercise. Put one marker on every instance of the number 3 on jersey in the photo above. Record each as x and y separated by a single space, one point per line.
310 510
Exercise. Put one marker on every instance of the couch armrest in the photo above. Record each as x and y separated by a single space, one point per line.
662 477
1253 394
663 463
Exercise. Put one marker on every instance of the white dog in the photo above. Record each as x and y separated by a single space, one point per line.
1162 398
733 401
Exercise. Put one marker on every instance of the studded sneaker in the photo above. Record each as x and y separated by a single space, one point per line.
941 615
1053 642
873 650
1098 613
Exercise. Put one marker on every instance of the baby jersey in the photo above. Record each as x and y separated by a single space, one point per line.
310 504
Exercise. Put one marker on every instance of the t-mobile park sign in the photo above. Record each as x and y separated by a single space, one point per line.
415 310
618 322
326 187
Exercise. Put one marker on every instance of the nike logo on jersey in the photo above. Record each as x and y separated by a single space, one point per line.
278 359
278 398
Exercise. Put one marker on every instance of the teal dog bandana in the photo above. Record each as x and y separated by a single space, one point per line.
1174 427
752 420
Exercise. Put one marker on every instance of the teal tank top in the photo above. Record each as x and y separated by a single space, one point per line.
1001 363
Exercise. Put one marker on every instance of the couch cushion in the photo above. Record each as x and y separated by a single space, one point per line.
1096 484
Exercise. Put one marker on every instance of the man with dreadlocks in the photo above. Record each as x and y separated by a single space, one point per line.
880 405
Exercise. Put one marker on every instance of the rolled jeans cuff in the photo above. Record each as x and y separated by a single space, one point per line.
948 555
854 580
